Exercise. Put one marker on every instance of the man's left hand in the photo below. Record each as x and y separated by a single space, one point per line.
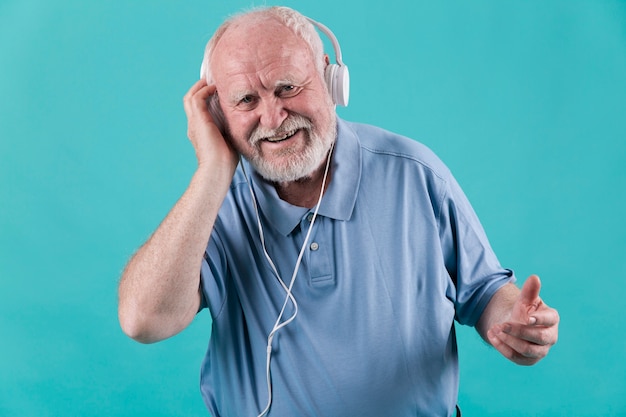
531 330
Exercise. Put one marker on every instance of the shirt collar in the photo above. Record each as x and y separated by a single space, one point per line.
340 197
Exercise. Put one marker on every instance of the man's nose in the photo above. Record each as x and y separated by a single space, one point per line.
273 114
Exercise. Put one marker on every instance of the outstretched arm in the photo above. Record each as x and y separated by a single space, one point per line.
519 324
159 291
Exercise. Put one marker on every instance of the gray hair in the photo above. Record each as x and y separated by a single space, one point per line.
290 18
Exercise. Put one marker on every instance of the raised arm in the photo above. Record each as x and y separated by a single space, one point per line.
519 324
159 292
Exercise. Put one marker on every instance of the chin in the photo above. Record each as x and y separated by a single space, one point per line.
291 173
297 168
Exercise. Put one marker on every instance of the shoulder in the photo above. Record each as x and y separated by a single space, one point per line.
381 145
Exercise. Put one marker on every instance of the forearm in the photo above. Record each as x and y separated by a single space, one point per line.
158 292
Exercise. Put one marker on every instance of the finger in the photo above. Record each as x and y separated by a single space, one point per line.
500 346
524 348
507 351
530 290
517 350
545 317
195 98
196 86
537 335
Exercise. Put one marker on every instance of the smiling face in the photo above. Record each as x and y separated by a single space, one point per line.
279 114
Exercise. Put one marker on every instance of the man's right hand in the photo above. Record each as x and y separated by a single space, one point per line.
209 143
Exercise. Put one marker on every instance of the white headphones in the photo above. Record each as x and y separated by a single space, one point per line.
336 75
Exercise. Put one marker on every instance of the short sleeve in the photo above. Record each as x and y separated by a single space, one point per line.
213 276
468 256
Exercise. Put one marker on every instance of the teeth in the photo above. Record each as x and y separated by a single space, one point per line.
282 137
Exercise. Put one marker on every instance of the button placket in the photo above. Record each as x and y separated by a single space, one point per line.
318 257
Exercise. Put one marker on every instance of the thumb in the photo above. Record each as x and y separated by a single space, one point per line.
527 301
530 290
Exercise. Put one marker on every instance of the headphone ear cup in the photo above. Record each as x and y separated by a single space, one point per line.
337 80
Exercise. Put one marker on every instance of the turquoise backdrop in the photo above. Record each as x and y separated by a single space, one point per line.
524 100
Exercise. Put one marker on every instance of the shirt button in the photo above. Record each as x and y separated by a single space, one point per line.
314 246
310 217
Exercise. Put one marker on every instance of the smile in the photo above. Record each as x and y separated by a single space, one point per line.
284 136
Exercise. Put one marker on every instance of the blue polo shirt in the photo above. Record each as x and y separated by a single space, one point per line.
396 255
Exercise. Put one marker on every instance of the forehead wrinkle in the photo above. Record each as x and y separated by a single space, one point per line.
239 92
241 69
279 72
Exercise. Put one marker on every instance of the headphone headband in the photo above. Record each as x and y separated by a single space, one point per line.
336 75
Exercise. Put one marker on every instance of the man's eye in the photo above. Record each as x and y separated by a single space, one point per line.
288 90
246 100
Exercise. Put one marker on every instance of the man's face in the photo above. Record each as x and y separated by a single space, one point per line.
279 114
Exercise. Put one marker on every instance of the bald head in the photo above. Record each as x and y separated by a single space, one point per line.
256 22
264 50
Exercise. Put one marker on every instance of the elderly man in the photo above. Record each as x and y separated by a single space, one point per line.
334 257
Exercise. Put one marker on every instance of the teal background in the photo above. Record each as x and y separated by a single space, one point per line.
524 100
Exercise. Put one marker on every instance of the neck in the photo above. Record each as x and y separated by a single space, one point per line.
305 192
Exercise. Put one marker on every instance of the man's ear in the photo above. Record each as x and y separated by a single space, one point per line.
326 60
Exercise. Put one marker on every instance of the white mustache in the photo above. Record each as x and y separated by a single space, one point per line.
289 126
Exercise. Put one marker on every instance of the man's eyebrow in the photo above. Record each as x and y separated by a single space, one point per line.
285 81
292 80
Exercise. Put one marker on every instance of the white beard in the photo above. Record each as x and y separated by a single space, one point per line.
297 165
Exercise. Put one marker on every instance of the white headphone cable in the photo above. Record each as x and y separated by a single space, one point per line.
278 324
261 234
